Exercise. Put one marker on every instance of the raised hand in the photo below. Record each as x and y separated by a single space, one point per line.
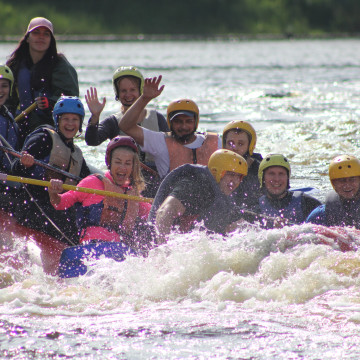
94 105
151 87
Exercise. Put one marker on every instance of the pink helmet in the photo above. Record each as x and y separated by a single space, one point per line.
119 141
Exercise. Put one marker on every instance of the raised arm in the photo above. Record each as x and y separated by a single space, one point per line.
94 105
128 123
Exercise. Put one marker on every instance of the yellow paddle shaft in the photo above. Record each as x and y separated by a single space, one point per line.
4 177
26 111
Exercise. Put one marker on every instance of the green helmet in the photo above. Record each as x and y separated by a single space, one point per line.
273 160
127 71
6 73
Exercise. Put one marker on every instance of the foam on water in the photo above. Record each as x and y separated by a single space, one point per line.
280 265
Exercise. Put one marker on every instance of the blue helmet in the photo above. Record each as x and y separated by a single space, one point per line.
68 105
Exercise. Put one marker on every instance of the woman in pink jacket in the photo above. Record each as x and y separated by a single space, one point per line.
104 218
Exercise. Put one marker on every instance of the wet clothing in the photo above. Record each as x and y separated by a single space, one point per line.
195 187
40 144
247 194
109 128
45 78
10 132
155 144
295 207
337 212
105 218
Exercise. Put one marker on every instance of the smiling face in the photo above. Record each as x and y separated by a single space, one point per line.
121 165
237 141
128 91
39 40
229 182
69 125
4 90
276 181
347 188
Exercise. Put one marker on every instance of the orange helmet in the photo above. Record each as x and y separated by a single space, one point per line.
182 105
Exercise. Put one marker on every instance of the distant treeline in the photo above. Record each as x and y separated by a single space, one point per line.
185 17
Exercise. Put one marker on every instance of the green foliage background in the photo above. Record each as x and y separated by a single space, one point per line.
185 17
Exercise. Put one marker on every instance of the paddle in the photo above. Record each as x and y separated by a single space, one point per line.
305 189
26 112
149 169
38 162
4 177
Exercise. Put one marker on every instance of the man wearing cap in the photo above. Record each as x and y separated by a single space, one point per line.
182 145
342 205
41 75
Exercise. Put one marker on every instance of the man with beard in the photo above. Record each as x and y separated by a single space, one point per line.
278 202
182 145
342 205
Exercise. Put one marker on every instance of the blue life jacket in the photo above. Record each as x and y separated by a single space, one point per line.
293 212
26 93
10 132
341 213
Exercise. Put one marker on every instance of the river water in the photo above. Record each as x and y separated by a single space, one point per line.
275 294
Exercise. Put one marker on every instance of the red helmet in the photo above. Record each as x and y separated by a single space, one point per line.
119 141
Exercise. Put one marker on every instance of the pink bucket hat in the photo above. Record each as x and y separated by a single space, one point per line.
39 22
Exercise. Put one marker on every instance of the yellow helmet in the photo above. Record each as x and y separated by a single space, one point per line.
183 105
223 160
344 166
244 126
273 160
127 71
6 73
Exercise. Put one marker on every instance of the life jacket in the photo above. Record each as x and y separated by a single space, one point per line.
118 213
150 122
293 212
26 97
26 94
10 132
248 192
180 154
341 213
63 158
216 217
60 156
